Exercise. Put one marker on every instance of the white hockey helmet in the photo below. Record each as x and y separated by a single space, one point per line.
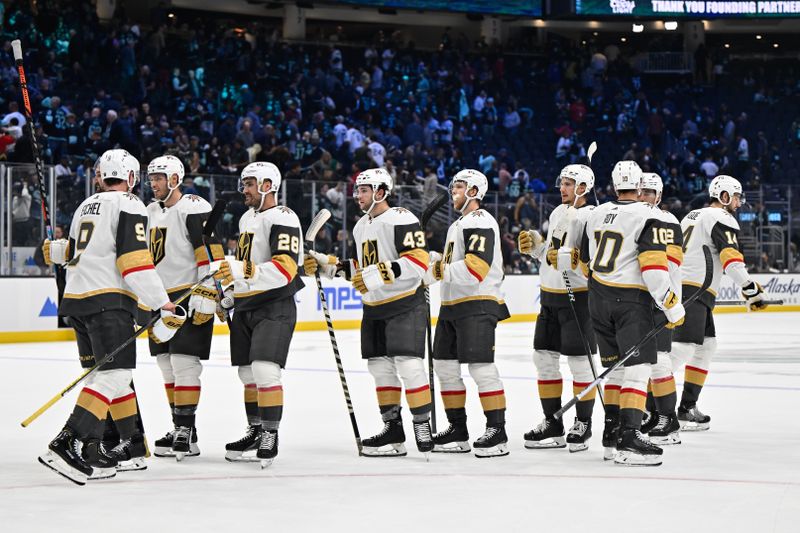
166 164
652 181
626 176
579 174
471 178
262 171
375 178
728 184
118 164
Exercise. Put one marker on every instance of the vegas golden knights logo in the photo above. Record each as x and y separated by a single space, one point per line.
448 254
158 244
245 246
369 253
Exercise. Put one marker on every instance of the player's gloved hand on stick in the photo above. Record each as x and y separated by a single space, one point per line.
528 241
56 251
434 267
567 259
203 303
225 304
326 264
754 296
166 326
373 277
673 310
229 270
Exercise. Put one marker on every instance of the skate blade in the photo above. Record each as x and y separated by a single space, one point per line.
132 465
390 450
545 444
102 473
265 463
626 458
500 450
694 426
241 457
179 456
578 447
609 453
452 447
60 467
666 440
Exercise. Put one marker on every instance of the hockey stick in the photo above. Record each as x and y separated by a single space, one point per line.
109 357
633 351
311 234
743 302
208 229
16 45
430 209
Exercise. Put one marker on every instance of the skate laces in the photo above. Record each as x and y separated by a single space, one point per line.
251 430
422 431
267 440
579 427
490 432
450 429
663 420
543 426
386 427
122 449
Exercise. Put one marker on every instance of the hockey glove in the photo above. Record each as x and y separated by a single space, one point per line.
434 267
326 264
754 296
229 270
56 251
203 304
567 259
673 310
373 277
529 242
166 326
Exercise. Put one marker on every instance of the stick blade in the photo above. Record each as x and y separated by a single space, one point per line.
320 219
590 152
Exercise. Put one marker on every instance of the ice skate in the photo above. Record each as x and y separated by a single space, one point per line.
245 448
267 448
667 431
548 434
64 458
493 442
185 443
454 439
390 442
579 435
633 449
692 419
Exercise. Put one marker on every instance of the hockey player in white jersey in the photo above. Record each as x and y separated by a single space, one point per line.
109 268
695 343
662 425
175 231
392 260
264 279
471 274
557 331
624 244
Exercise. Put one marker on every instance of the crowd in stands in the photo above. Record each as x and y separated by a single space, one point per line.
221 95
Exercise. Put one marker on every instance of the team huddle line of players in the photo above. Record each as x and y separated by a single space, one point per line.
627 263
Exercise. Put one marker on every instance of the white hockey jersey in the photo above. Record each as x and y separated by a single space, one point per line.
719 230
625 246
396 236
109 264
674 249
272 240
552 282
176 241
473 268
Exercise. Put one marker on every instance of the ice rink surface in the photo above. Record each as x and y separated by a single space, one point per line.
742 475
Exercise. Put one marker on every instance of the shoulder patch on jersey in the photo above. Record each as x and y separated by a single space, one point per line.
478 213
400 210
132 197
284 209
192 197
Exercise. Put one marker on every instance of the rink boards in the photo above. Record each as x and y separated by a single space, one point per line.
31 313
